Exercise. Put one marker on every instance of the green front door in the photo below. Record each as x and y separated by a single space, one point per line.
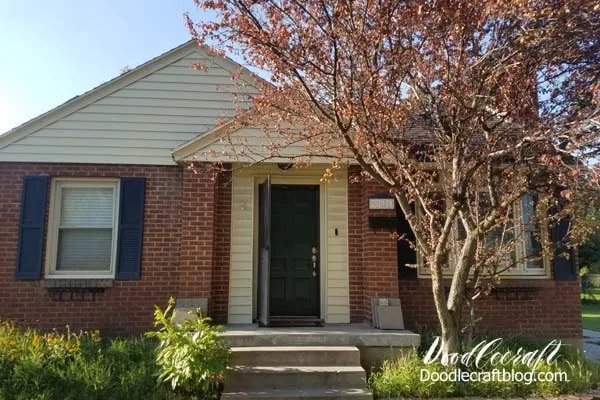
294 276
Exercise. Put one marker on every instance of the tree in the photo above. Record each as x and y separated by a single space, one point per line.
460 109
589 250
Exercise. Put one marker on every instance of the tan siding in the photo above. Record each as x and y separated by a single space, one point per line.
184 69
167 102
88 150
200 87
114 134
174 94
123 126
191 79
90 159
241 276
338 309
141 122
95 142
334 249
162 108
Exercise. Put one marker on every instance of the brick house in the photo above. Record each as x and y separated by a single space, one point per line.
102 219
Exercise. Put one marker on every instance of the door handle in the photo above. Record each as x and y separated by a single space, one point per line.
314 261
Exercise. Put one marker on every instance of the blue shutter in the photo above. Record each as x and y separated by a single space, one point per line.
131 228
31 227
564 268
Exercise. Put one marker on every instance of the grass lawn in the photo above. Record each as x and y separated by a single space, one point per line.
591 316
590 309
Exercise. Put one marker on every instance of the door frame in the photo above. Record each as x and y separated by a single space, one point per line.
322 205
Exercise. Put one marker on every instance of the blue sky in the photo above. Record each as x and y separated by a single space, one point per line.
52 51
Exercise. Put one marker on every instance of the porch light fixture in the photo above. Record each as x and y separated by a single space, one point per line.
284 166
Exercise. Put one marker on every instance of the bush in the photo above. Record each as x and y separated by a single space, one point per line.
191 355
80 365
402 377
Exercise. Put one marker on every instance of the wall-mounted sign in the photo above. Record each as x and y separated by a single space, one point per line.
381 203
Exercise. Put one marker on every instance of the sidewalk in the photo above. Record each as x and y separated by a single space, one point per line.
591 344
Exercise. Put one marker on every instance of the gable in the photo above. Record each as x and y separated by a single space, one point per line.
245 141
139 117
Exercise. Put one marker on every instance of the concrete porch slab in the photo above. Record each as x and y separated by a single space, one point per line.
360 335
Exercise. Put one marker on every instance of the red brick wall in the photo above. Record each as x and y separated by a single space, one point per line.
197 232
222 243
128 305
358 307
186 254
185 248
373 267
551 309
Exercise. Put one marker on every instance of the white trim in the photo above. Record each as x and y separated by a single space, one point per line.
54 220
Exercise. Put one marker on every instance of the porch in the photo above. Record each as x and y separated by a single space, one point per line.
375 345
360 335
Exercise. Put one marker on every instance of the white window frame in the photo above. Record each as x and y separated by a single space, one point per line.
521 271
58 184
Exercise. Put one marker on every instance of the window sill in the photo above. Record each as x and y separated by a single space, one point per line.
55 283
513 282
540 282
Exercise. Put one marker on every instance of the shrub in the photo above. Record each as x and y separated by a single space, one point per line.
71 365
402 377
191 355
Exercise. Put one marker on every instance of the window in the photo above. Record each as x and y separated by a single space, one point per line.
82 229
522 235
502 239
530 245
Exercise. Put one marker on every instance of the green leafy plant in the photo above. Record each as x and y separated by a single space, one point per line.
191 355
402 378
77 365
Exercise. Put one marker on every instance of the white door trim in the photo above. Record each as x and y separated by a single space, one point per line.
243 275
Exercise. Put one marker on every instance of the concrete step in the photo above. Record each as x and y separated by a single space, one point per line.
296 355
297 394
333 335
257 378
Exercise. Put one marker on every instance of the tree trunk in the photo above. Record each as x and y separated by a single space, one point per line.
451 342
450 338
450 307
